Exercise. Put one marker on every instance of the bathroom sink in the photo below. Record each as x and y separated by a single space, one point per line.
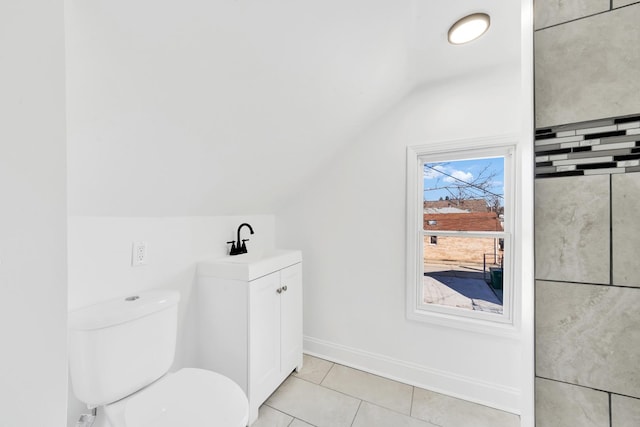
249 266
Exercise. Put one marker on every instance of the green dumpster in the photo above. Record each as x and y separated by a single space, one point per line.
496 278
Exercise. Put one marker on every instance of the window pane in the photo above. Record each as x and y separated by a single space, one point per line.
464 272
464 195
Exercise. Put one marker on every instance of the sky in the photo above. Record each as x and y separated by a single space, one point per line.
441 178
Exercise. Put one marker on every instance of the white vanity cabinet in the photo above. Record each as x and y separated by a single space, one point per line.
275 330
250 326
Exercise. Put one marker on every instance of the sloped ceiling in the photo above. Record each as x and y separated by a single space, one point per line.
228 106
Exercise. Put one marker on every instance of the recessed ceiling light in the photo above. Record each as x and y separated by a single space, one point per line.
469 28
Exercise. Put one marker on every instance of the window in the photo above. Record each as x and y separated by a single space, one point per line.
459 233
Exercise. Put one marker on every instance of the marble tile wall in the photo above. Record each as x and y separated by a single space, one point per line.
587 205
589 335
625 208
561 404
587 297
587 69
620 3
572 229
554 12
625 411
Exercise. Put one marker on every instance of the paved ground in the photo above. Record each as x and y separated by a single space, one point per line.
460 286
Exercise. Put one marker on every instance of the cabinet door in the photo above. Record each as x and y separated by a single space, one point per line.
291 318
264 337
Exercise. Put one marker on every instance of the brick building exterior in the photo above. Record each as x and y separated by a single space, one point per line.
447 249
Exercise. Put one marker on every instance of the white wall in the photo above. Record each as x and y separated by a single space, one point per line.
350 224
33 382
100 263
220 107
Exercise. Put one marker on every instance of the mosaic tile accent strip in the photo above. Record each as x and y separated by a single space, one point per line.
597 147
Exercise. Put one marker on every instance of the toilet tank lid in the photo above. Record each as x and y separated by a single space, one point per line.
121 310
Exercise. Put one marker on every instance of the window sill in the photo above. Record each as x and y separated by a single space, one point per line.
501 328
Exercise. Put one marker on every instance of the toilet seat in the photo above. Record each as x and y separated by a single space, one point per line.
189 397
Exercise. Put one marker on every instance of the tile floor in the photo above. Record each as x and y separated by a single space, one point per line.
325 394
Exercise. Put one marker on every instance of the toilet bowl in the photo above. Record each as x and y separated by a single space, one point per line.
189 397
119 354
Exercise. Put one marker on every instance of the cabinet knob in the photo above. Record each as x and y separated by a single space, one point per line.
279 290
284 288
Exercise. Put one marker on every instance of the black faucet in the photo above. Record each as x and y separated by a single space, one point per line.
238 248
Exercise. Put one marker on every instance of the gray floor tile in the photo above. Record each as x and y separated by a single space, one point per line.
446 411
336 402
313 369
299 423
314 404
370 415
269 417
372 388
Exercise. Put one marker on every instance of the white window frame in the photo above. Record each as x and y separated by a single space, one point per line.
492 323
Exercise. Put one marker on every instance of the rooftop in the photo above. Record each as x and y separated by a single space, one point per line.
470 221
469 205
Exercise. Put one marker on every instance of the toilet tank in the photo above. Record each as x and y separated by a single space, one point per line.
119 346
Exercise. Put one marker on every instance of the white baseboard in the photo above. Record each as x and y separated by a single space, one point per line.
459 386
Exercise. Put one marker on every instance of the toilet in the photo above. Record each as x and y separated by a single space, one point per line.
120 352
